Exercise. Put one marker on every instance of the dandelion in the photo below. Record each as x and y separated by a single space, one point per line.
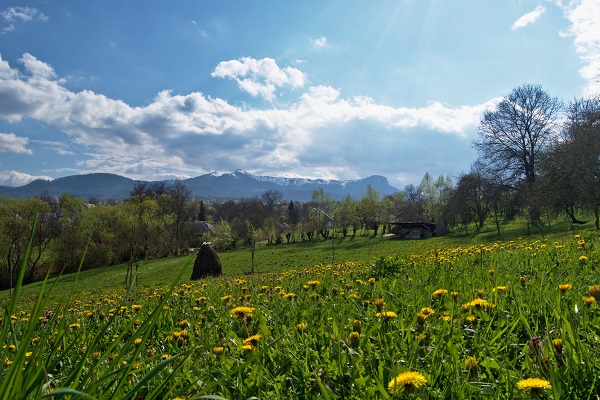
491 272
164 356
595 291
289 296
137 341
500 289
440 293
589 300
184 324
583 259
479 303
227 298
372 281
563 287
301 327
357 326
247 347
218 350
354 339
242 312
313 284
471 363
74 326
534 385
421 317
136 307
379 303
386 315
454 295
407 381
558 345
253 340
470 319
427 311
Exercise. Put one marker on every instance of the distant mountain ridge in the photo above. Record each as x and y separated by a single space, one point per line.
232 185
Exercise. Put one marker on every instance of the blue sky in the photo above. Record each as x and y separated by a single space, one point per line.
317 89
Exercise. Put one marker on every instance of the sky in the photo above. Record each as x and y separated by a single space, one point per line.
329 89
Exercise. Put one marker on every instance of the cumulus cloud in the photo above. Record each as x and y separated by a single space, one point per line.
585 30
182 135
320 42
15 178
529 18
11 143
260 77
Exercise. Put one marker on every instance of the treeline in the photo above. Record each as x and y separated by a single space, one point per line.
538 159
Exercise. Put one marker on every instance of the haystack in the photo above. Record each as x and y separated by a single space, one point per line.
207 263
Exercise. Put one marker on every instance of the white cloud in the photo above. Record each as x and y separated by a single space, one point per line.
320 42
15 178
11 143
529 18
260 77
188 134
15 14
584 16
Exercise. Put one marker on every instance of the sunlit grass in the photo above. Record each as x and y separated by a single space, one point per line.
504 319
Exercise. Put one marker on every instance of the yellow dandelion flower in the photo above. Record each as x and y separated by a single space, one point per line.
289 296
583 259
74 326
137 341
357 326
184 324
470 319
558 345
386 315
595 291
479 303
534 384
427 311
301 327
379 303
421 317
440 293
354 339
247 347
253 340
500 289
353 296
164 356
471 363
313 284
407 381
563 287
241 312
218 350
589 300
136 307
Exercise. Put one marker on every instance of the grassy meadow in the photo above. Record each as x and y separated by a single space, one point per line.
456 317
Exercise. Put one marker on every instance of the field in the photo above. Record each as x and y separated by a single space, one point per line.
444 318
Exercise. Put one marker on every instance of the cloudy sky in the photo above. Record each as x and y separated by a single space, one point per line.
317 89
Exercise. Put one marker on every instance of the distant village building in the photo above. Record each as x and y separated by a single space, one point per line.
416 230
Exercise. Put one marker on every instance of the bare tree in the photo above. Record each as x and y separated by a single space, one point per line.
514 135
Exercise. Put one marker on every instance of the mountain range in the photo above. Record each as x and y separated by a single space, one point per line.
232 185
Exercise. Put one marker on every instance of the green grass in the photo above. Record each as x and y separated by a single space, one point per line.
282 257
321 330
